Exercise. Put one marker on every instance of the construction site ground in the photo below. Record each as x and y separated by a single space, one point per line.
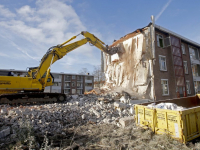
81 122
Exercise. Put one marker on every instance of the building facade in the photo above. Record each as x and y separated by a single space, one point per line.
157 63
173 73
63 83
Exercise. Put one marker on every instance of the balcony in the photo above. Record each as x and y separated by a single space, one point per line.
57 80
194 61
196 78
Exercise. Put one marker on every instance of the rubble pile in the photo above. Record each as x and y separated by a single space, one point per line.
54 118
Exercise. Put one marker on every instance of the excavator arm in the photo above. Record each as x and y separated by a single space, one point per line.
57 52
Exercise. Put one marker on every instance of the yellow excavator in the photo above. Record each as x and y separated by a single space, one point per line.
29 89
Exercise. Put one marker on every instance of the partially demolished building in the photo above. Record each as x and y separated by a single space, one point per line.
157 64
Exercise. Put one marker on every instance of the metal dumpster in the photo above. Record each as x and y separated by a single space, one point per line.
182 125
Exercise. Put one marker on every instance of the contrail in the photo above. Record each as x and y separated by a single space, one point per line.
16 46
163 9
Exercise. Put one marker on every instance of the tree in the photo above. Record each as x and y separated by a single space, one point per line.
84 71
99 76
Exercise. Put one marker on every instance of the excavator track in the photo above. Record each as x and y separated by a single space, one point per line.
31 98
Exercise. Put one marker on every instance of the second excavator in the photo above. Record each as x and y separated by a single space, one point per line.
30 89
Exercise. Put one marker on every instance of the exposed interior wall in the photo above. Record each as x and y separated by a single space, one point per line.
130 71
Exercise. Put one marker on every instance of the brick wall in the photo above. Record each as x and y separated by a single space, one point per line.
169 74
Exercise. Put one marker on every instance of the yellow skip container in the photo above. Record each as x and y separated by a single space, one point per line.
182 125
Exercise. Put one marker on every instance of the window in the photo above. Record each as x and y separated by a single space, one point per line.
67 85
73 77
57 76
79 85
183 48
160 41
73 91
196 70
162 62
193 53
188 87
79 92
67 91
57 84
67 78
185 67
165 88
88 78
73 84
88 84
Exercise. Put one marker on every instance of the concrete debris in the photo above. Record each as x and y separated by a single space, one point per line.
53 118
126 121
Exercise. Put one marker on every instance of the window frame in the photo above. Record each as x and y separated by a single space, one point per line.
73 84
158 41
188 83
167 87
186 66
182 44
73 77
196 57
161 69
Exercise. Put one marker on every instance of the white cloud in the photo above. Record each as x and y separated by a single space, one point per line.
5 12
34 29
163 9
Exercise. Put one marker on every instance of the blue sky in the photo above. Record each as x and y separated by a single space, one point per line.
29 27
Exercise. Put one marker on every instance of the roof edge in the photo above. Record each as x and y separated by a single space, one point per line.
177 35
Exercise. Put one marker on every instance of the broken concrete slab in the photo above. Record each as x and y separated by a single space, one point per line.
126 121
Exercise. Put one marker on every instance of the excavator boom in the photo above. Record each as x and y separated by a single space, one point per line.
39 77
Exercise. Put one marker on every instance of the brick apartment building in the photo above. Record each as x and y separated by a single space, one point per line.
63 83
173 73
168 64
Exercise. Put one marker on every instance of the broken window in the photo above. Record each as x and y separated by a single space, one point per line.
160 41
165 88
183 48
162 62
185 67
188 87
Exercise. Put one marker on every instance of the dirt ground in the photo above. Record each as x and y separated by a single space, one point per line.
102 137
